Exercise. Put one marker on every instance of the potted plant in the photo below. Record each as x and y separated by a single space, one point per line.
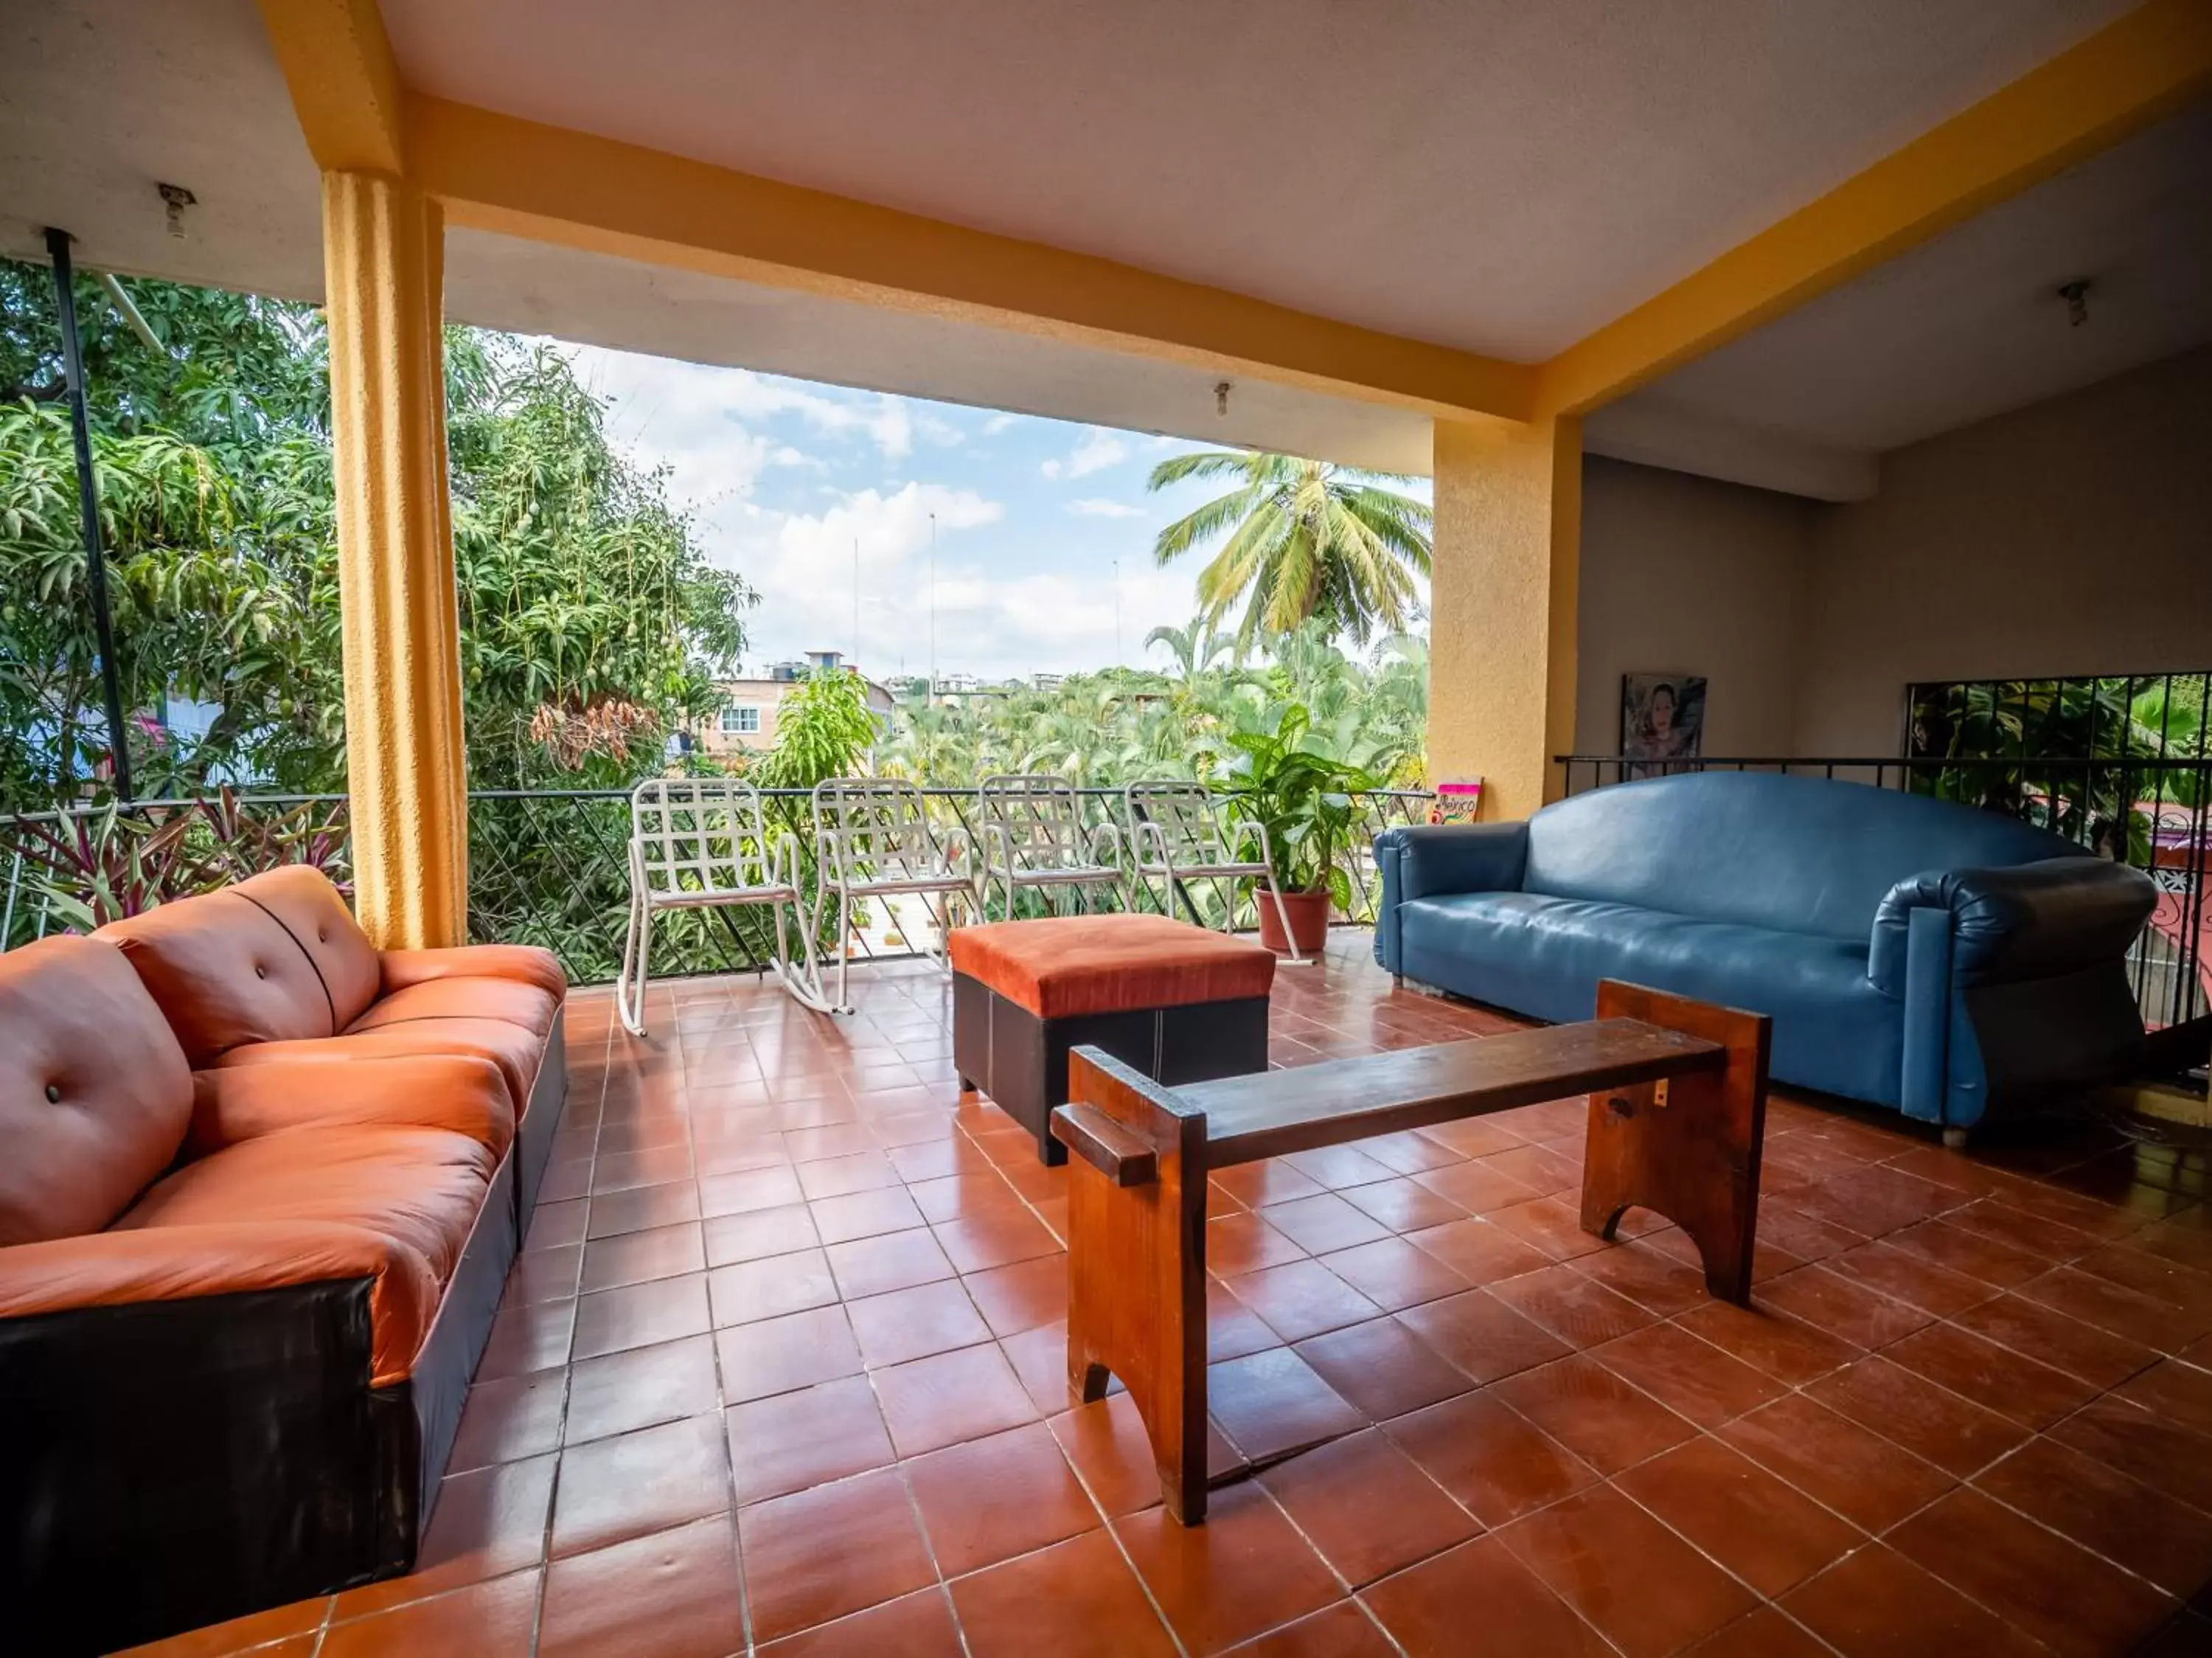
1302 799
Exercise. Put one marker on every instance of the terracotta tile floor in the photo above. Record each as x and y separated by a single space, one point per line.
780 1369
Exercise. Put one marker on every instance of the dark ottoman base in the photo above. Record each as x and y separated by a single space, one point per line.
1021 1060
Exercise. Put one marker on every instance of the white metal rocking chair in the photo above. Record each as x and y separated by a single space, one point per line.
1180 832
1033 835
874 838
702 843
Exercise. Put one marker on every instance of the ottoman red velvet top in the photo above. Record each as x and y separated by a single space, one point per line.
1061 966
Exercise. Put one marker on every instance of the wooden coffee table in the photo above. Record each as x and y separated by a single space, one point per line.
1677 1108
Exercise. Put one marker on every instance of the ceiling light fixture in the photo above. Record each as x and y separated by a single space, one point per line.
2076 295
175 198
1221 396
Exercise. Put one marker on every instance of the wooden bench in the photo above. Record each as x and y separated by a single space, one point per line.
1678 1104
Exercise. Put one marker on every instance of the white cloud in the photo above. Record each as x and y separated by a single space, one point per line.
1099 450
939 431
732 440
678 415
805 565
987 622
652 393
1051 620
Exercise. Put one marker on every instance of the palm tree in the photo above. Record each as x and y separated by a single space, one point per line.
1305 540
1195 649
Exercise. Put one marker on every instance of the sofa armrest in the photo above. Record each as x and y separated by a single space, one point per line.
460 1093
2027 921
1455 857
181 1263
524 963
1422 860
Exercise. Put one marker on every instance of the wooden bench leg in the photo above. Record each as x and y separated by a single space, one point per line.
1688 1149
1136 1251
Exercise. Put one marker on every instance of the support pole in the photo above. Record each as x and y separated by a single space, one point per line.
406 768
88 496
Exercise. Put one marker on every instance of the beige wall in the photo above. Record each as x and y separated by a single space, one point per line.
2074 536
1684 574
2071 537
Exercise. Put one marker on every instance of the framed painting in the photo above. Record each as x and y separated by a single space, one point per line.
1663 718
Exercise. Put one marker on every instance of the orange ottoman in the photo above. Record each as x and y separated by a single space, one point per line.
1179 1002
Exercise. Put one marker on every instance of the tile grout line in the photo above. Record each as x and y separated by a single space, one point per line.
2096 1243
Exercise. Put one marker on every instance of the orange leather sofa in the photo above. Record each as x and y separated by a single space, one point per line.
243 1285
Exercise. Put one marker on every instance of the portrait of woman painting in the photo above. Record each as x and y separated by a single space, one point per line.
1663 718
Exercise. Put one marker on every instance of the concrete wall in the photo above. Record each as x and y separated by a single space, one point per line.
2074 536
1684 574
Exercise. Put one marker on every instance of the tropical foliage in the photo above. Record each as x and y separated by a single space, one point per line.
1182 719
1301 541
591 624
2080 756
592 627
823 729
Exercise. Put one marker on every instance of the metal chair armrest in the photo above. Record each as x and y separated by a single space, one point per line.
1145 833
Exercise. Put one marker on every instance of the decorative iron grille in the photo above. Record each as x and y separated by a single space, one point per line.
546 866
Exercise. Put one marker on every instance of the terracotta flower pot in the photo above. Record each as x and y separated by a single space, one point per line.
1309 918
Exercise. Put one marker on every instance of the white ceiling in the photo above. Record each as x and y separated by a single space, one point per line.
502 283
101 100
1961 328
192 95
1498 175
1427 196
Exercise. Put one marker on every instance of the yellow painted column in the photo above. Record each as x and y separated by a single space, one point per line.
384 260
1502 607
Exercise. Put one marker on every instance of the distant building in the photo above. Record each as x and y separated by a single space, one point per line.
746 720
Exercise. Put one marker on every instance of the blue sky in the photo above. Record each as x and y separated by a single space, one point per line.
1031 516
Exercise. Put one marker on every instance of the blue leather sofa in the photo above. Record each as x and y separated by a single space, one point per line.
1914 954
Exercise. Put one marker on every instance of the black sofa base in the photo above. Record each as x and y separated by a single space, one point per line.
1021 1060
541 1121
165 1465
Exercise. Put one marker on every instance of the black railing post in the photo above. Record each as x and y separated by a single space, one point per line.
88 496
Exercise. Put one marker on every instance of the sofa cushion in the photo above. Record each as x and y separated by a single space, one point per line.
515 1050
230 1258
420 1187
458 1093
1543 956
526 963
1799 854
224 972
94 1093
1060 967
314 912
509 999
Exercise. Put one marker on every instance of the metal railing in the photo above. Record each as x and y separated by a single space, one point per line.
2153 813
546 866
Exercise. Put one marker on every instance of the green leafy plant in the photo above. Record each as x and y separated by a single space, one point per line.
2070 755
824 728
1302 797
87 868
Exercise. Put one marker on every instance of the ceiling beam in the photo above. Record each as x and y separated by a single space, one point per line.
500 173
345 83
2124 77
